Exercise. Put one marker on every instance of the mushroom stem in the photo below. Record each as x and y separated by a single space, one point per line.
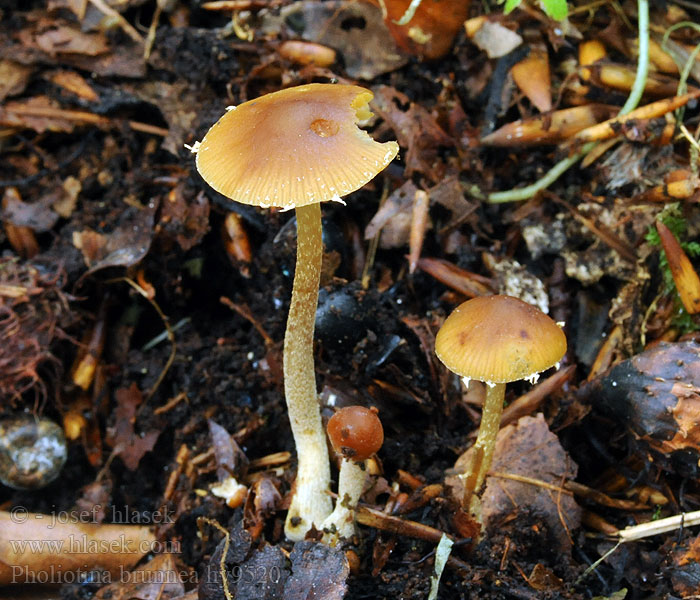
485 443
341 522
311 503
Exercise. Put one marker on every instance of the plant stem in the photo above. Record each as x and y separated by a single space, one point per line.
632 101
485 442
311 503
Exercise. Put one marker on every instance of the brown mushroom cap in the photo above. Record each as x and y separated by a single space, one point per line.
498 339
355 432
294 147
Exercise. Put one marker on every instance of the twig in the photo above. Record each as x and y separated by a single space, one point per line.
645 530
151 37
50 112
244 311
123 23
171 334
379 520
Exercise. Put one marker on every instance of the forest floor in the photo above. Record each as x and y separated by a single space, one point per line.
145 313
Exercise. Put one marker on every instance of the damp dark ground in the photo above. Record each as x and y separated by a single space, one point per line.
171 299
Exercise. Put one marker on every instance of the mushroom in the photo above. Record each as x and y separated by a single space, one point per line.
295 149
496 339
355 433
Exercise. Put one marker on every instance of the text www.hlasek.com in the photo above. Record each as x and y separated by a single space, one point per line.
84 544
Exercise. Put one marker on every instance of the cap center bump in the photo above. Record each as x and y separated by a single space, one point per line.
324 128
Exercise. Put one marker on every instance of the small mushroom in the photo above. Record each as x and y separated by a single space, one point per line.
355 433
295 149
496 339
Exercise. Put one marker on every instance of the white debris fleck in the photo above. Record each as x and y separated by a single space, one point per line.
533 379
515 280
231 491
194 148
230 108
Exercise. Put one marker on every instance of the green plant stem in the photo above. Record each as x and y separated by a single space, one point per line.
311 503
640 79
543 183
632 101
485 442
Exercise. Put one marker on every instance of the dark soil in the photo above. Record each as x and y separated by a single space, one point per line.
159 224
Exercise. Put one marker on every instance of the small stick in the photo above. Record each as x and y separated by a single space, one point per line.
123 23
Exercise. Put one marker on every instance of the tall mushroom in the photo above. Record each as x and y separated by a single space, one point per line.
295 149
496 339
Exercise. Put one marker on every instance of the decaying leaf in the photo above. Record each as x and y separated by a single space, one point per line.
159 579
656 394
527 449
230 459
126 245
183 217
685 572
175 102
417 131
354 29
64 39
549 128
14 77
127 444
393 219
18 113
38 216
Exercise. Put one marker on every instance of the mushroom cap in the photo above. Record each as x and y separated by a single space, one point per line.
355 432
498 339
294 147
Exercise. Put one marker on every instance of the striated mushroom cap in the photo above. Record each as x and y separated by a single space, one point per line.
498 339
294 147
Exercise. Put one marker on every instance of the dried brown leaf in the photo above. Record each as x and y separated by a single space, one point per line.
14 77
416 129
125 246
367 51
527 449
129 445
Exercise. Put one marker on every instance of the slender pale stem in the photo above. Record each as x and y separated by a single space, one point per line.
341 522
311 503
485 442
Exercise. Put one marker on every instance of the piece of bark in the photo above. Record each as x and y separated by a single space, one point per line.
318 572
